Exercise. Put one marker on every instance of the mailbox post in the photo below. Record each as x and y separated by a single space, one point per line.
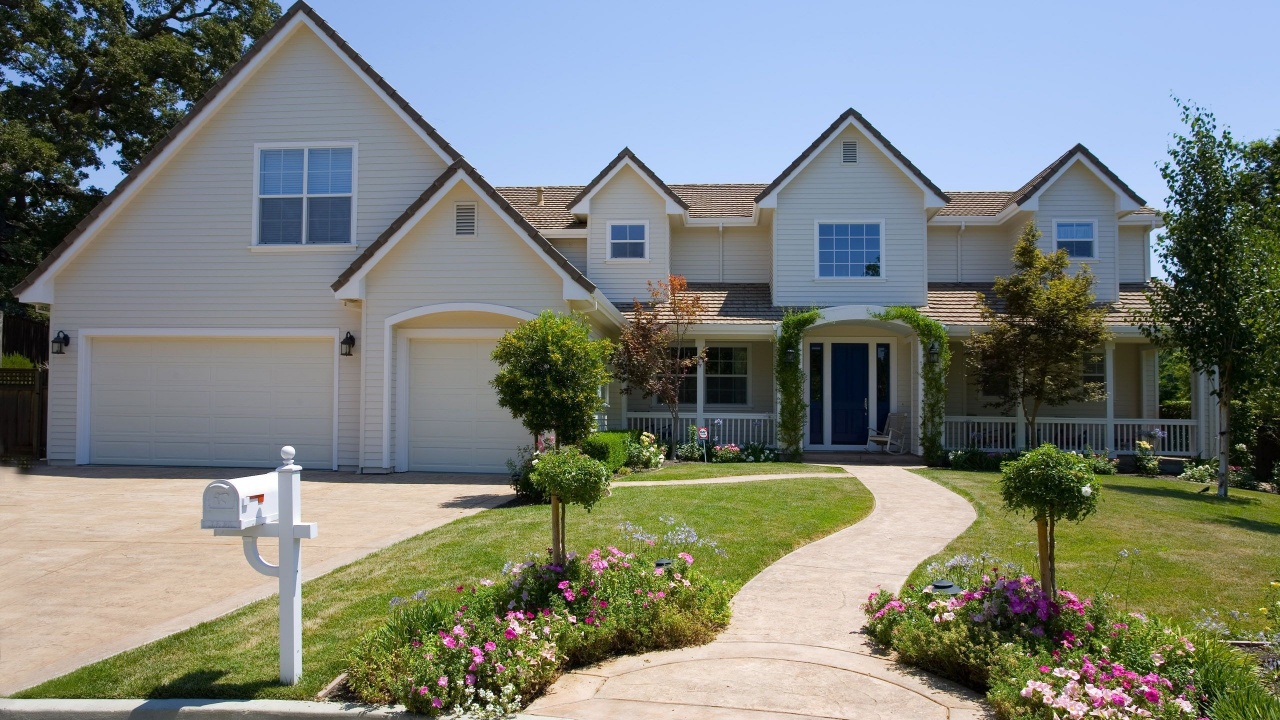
268 505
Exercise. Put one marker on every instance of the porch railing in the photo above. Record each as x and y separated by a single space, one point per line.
736 428
1000 434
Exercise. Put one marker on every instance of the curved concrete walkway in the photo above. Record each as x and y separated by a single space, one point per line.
793 649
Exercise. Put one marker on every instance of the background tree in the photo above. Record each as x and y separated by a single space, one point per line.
1033 350
651 355
84 80
550 375
1052 485
1220 252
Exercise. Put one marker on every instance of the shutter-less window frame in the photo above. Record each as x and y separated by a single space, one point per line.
461 222
849 150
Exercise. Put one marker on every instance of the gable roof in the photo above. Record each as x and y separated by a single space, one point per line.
705 200
126 185
853 116
1037 183
629 157
402 223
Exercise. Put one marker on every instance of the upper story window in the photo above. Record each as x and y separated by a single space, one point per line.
628 241
849 250
1076 237
306 195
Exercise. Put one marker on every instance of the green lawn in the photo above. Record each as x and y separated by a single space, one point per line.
698 470
235 656
1196 551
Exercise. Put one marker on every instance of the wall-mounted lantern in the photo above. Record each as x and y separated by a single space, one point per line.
791 355
60 342
934 352
348 344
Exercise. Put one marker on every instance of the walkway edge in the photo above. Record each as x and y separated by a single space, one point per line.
201 709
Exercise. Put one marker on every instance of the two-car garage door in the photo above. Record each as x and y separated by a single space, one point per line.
230 402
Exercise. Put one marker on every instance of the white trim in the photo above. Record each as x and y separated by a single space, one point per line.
84 365
998 219
1053 222
313 248
565 234
608 241
727 221
1124 203
728 331
389 329
583 206
931 198
306 148
42 290
570 290
863 278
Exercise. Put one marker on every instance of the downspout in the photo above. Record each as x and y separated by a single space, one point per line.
959 255
722 252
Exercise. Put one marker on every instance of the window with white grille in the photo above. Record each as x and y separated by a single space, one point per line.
306 195
849 154
464 219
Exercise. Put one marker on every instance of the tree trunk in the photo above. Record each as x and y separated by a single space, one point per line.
1224 435
1047 581
677 437
564 544
556 558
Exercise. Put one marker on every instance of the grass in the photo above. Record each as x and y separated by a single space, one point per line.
235 656
1196 551
699 470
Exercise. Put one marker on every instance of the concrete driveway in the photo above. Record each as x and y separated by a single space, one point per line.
97 560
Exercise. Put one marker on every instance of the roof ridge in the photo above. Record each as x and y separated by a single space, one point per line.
627 154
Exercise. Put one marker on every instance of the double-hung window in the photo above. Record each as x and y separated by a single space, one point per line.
849 250
305 195
726 376
628 241
1076 237
1095 367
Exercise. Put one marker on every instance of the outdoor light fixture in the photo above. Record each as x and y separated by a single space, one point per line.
935 352
945 587
348 344
662 564
60 342
791 355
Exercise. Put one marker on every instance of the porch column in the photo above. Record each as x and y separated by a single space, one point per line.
700 344
1020 442
1111 396
1150 366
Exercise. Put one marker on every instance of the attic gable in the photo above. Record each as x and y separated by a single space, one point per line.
581 204
1027 197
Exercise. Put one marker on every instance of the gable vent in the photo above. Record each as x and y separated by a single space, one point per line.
850 154
464 219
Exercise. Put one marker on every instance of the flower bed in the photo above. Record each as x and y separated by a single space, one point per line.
1063 657
494 648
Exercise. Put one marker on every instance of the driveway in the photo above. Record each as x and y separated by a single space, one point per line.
94 561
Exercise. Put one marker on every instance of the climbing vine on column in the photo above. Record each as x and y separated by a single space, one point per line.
790 379
935 378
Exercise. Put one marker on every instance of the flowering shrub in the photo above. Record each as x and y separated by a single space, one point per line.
497 646
759 452
1204 472
1100 463
726 453
1148 463
977 460
519 468
645 453
1080 688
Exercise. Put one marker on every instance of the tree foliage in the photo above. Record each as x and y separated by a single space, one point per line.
570 478
1051 485
1034 347
1220 252
550 375
82 79
933 414
789 375
651 356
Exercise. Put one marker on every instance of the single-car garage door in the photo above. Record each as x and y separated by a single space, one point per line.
228 402
455 424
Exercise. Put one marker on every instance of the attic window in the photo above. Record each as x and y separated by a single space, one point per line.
849 154
464 219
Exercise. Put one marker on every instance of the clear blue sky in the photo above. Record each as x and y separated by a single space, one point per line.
979 96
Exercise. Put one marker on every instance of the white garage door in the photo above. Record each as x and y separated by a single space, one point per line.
227 402
455 424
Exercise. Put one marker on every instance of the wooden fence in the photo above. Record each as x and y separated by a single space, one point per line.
23 402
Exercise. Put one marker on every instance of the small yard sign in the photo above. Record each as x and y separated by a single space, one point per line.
702 433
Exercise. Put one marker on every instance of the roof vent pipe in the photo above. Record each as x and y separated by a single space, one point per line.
539 201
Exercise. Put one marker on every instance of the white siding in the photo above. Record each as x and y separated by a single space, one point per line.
986 252
574 250
627 198
872 189
695 253
178 256
430 266
1079 195
1133 253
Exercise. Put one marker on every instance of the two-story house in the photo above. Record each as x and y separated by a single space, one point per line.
304 260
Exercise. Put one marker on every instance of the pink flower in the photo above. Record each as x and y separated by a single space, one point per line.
450 643
443 681
686 557
457 630
499 667
510 634
490 646
471 679
435 702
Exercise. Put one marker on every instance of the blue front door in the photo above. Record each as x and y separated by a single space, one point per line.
849 393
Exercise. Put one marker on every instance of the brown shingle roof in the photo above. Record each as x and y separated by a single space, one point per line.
976 203
956 303
199 107
720 199
553 213
704 200
728 303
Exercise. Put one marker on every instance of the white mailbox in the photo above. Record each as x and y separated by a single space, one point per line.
241 503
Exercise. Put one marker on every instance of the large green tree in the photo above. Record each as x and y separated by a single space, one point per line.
1034 347
83 81
1220 252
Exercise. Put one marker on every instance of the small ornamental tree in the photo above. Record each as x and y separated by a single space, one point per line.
575 479
651 357
790 377
1034 347
550 375
1052 485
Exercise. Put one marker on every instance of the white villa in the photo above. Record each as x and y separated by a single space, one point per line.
304 260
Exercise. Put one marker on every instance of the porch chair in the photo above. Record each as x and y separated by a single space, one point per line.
893 436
